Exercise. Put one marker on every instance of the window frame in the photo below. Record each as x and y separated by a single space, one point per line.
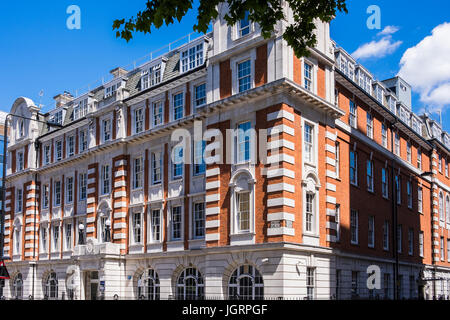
354 227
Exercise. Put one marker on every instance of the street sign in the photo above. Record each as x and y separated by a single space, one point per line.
3 271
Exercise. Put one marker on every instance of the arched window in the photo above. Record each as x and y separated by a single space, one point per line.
447 208
310 207
18 287
148 285
441 207
51 286
190 285
246 283
242 203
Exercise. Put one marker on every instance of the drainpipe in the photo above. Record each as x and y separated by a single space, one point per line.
394 219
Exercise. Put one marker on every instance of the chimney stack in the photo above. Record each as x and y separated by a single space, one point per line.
62 99
118 72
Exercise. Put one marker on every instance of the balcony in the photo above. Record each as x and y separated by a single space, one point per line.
93 249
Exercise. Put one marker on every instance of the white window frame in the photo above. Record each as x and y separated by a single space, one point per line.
198 219
106 130
370 175
369 127
138 120
70 146
83 186
354 226
105 179
355 182
240 29
45 196
138 173
153 225
409 151
55 193
249 76
193 56
179 223
20 161
410 241
70 193
198 102
19 200
371 232
174 107
136 228
160 115
309 146
68 236
385 184
308 78
83 142
420 199
386 235
421 243
47 154
409 194
156 168
58 149
353 116
384 134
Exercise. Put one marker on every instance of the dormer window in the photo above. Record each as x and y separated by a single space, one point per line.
192 58
111 90
80 110
57 117
244 25
151 77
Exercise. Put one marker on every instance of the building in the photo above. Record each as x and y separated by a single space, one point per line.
295 197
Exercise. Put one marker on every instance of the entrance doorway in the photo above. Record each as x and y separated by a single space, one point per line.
92 285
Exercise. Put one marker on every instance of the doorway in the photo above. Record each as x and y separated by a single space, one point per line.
91 285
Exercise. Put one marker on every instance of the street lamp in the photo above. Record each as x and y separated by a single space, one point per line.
5 149
81 234
108 231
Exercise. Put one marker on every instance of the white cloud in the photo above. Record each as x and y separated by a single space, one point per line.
426 67
388 30
377 49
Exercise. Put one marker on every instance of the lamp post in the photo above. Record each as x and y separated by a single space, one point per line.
81 234
5 149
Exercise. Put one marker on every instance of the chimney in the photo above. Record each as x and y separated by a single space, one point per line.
62 99
118 72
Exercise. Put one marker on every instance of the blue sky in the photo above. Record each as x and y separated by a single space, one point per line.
39 52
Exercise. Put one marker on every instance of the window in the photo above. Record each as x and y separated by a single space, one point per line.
410 241
243 214
176 223
137 227
148 285
104 229
244 25
387 284
45 196
200 95
83 186
157 113
399 238
19 200
440 163
354 226
408 152
20 161
384 183
83 140
421 243
309 143
409 193
199 220
177 166
190 285
337 219
442 249
106 183
397 144
371 232
17 238
199 162
448 249
353 115
447 208
369 125
156 167
338 160
192 58
46 154
384 135
80 110
57 117
178 106
151 77
308 76
411 287
58 150
441 207
386 235
244 76
21 129
246 283
51 286
353 168
419 159
57 193
398 189
17 286
68 232
446 168
310 292
138 120
69 189
370 175
106 127
71 146
138 173
354 289
56 238
156 225
243 139
309 212
420 199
